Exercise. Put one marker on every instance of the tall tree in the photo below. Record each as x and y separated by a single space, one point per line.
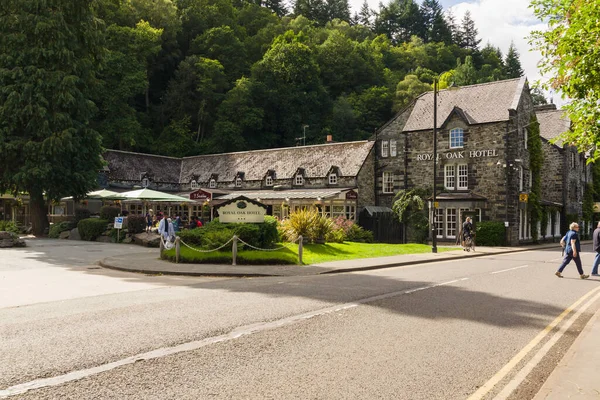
512 64
572 60
468 33
50 52
435 23
400 20
407 90
337 9
314 10
365 14
465 73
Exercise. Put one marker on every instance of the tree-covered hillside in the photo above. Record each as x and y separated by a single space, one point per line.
186 77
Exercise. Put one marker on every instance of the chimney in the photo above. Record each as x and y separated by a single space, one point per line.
329 138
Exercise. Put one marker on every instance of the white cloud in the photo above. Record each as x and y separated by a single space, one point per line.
502 21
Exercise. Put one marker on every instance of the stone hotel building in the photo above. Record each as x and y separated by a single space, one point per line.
483 159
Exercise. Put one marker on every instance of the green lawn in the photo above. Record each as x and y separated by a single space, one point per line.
313 253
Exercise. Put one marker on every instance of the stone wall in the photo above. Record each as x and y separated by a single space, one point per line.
552 176
365 181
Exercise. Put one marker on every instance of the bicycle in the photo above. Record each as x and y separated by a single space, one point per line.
469 243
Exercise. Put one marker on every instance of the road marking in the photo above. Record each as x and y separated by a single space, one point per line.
520 377
195 345
489 385
510 269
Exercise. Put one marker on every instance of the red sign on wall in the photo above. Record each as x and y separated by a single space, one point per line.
351 195
200 195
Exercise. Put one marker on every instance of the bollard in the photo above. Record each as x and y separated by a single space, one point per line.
162 247
300 250
177 249
234 250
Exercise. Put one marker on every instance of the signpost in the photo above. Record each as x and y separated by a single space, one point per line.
118 226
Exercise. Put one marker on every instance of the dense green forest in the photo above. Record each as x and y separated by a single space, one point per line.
187 77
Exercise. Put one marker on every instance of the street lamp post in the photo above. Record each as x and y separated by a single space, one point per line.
434 208
303 135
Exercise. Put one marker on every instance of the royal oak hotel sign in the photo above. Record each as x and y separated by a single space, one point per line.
241 210
458 155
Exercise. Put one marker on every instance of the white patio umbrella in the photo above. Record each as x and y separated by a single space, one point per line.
154 196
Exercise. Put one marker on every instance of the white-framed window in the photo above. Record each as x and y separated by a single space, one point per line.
145 182
269 180
557 224
456 138
439 222
299 180
393 149
212 184
238 182
572 160
451 222
463 176
350 212
525 137
193 184
385 146
388 182
333 179
521 179
449 177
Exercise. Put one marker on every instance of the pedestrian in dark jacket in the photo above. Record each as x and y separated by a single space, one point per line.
597 250
572 250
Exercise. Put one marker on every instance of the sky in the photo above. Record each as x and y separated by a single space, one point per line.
498 22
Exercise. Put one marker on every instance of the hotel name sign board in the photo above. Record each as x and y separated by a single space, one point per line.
242 211
458 155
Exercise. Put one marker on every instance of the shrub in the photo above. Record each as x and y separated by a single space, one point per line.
214 239
109 212
249 233
136 223
358 234
298 224
490 233
269 235
91 228
81 213
9 226
57 229
336 236
322 226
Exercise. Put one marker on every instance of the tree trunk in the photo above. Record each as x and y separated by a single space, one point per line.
38 211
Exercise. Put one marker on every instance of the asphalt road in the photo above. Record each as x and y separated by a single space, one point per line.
447 330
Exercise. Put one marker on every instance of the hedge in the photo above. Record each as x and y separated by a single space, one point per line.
91 228
81 213
214 234
490 233
9 226
109 212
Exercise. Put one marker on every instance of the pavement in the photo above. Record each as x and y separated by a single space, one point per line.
573 378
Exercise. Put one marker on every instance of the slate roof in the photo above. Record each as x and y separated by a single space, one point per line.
483 103
315 160
552 124
127 166
286 194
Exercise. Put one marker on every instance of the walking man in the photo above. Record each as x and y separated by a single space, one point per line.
572 250
597 250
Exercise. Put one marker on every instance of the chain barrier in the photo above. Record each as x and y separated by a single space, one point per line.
285 246
205 251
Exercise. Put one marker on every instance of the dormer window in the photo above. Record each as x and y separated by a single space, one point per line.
456 138
333 179
269 181
193 184
212 183
145 182
299 181
238 182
